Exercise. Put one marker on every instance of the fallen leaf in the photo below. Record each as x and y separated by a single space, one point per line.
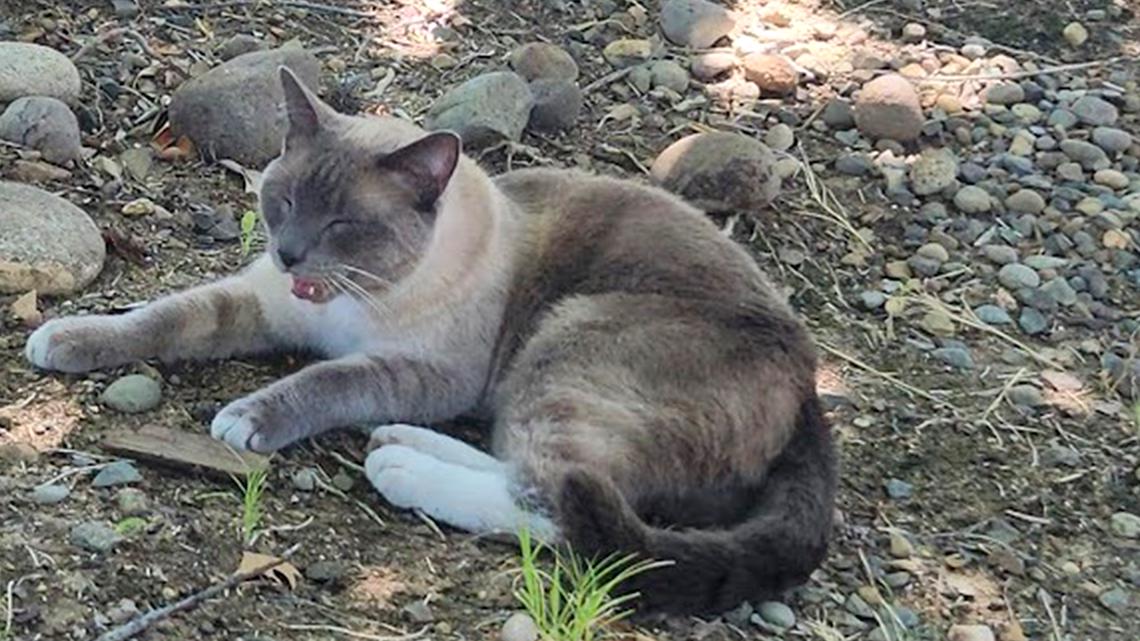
125 245
168 147
284 573
252 177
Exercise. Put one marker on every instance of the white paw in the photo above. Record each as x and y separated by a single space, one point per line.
435 444
399 473
247 424
74 344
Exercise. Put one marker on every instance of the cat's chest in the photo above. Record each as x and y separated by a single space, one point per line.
342 327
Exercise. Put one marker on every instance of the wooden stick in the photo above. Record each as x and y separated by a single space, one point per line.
292 4
133 628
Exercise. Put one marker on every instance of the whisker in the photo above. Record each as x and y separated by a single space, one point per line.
367 274
350 287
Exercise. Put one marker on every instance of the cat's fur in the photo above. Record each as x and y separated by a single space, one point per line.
649 391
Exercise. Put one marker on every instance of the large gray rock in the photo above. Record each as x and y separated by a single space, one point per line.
235 110
47 244
695 23
719 171
484 110
557 104
33 70
542 60
44 124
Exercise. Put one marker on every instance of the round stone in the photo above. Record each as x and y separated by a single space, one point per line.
1025 201
132 394
1005 93
777 615
627 52
44 124
48 244
117 473
557 104
1016 276
972 200
772 73
709 65
32 70
519 627
484 110
780 137
1075 34
50 494
1112 140
1111 178
668 74
933 171
888 107
1125 525
719 171
1032 322
1095 111
695 23
536 60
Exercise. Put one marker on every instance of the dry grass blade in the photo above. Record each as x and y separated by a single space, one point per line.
358 635
969 319
825 199
1002 394
890 378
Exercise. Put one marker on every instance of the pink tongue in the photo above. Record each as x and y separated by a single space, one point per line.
306 288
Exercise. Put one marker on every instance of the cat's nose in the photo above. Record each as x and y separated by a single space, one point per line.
288 258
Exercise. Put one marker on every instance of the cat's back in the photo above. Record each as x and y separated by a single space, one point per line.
594 234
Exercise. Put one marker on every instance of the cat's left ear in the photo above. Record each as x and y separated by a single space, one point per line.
429 162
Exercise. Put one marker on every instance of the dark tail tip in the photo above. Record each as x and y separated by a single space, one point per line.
595 516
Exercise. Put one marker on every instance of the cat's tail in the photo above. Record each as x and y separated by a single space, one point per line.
782 541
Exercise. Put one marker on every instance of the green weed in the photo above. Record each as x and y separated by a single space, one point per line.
574 601
252 488
248 225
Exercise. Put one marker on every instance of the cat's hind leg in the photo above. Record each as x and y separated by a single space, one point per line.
479 501
434 444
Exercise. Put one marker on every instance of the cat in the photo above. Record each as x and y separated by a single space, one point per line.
648 390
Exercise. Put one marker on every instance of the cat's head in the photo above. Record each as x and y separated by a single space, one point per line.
351 208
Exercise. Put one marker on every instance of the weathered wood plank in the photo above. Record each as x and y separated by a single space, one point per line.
182 449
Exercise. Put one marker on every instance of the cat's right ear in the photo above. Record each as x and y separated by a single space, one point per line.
303 108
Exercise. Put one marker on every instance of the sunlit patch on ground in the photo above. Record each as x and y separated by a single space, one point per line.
42 420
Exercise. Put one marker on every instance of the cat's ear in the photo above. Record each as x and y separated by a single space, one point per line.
429 162
303 108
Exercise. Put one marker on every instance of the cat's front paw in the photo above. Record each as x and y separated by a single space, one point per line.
400 474
250 424
74 344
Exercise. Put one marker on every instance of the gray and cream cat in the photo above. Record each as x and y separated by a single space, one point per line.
648 390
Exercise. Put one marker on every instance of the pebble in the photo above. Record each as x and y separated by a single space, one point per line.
1095 111
1062 119
777 615
233 110
1111 178
1112 140
970 633
913 32
240 44
1000 254
94 536
117 473
1017 276
305 479
955 357
993 315
1025 201
1125 525
1071 171
1115 600
1032 322
857 606
898 489
1005 93
627 52
556 105
871 299
719 171
536 60
888 107
48 244
132 394
50 494
45 125
780 137
419 612
838 114
972 200
132 502
1060 291
710 65
933 171
854 164
519 627
1025 396
695 23
668 74
33 70
772 73
484 110
1075 34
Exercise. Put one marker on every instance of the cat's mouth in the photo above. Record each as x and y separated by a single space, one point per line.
311 289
